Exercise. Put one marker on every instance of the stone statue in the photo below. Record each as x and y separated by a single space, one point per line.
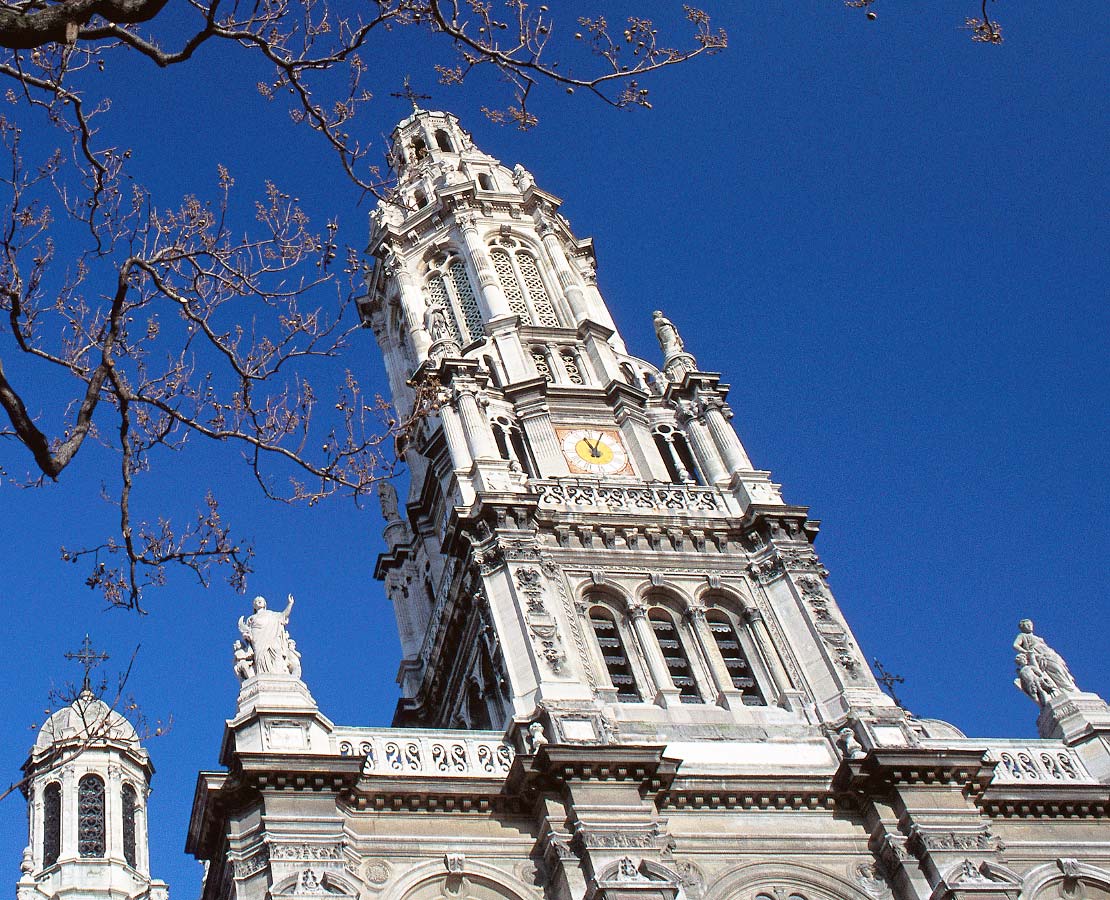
849 745
244 661
522 178
435 322
269 642
1043 658
536 737
294 659
1033 681
669 338
387 497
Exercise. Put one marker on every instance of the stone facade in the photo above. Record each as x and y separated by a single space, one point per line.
624 675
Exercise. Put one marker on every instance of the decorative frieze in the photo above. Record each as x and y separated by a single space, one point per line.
396 751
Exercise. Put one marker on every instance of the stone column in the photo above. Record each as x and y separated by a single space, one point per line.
705 451
767 652
576 299
412 301
546 451
724 435
475 426
707 647
456 438
489 287
649 649
69 815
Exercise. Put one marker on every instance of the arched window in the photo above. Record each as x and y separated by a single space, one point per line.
420 197
419 148
90 816
129 801
485 182
675 451
494 373
52 823
629 375
512 444
613 652
443 140
728 644
674 654
520 278
449 285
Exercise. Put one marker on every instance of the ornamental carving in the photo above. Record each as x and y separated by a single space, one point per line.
617 839
921 841
629 499
249 865
306 851
376 872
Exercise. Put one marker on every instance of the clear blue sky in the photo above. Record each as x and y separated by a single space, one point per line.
891 241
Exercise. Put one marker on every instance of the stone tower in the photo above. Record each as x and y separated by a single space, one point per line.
624 676
87 779
585 537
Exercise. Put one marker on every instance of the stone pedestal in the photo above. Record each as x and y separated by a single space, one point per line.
1082 721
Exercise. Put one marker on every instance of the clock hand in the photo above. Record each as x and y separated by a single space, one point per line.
596 446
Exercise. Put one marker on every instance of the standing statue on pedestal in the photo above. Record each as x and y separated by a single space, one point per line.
273 652
669 338
435 322
1042 672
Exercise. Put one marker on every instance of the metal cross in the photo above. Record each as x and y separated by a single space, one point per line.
409 93
88 658
888 680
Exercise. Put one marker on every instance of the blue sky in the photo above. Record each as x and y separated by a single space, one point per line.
891 242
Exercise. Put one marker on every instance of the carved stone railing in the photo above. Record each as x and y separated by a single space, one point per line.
416 751
629 498
1029 762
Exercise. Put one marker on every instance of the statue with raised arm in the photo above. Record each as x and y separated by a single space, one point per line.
669 338
1043 658
264 630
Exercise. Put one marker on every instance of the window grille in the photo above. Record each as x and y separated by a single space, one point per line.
90 817
543 366
612 651
468 302
437 292
674 654
505 274
541 303
52 823
129 801
570 363
728 643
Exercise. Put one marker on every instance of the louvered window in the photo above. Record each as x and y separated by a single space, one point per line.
728 643
52 824
616 659
129 803
90 817
674 654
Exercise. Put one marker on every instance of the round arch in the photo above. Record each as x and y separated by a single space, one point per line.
745 882
666 594
1045 882
482 882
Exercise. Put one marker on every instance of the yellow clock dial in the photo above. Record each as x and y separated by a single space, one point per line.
591 451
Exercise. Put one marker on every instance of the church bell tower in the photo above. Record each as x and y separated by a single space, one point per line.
585 542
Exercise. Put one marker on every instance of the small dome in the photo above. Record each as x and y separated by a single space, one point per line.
87 717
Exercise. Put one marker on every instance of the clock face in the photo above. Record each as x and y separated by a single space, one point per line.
594 451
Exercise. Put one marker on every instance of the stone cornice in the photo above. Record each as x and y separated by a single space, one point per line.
555 765
884 770
1026 801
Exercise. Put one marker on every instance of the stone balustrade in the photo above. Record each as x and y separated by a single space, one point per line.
415 751
594 494
1028 762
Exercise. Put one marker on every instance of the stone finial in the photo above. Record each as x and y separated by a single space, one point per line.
266 648
1042 672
